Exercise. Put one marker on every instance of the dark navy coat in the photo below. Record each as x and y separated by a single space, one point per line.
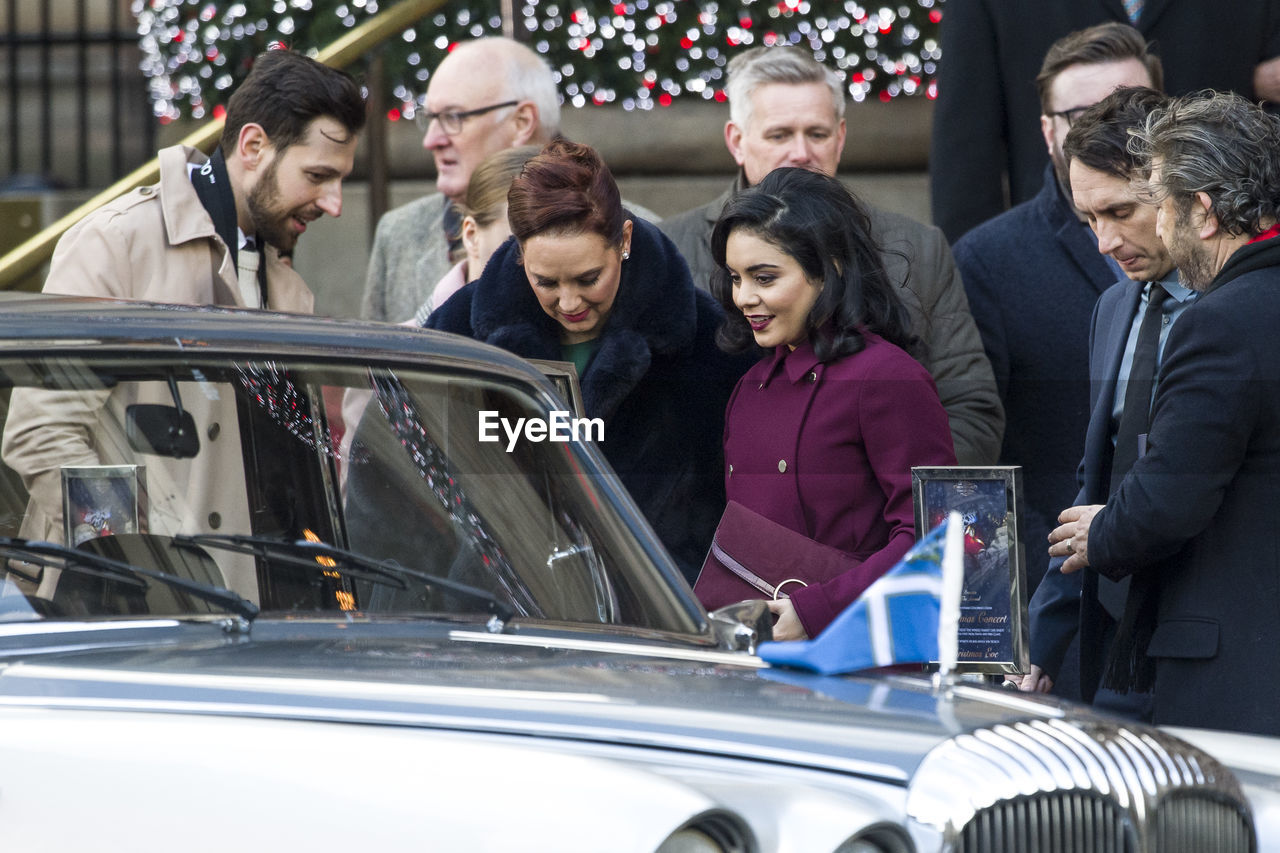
1033 275
658 380
1065 605
1195 518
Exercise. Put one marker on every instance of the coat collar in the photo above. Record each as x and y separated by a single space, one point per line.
654 314
1248 258
715 207
184 216
185 220
793 364
1071 234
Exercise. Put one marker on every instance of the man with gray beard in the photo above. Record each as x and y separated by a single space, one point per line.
1192 523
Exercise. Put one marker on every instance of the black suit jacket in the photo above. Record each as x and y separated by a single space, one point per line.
1032 276
1196 515
1066 604
986 124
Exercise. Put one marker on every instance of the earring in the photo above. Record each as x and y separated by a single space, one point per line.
625 254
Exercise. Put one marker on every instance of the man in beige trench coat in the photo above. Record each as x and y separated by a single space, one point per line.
210 232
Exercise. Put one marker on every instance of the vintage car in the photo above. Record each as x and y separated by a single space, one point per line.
268 587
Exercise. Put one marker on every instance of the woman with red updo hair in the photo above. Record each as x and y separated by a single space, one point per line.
582 280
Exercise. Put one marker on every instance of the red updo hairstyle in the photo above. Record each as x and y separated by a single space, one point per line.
566 188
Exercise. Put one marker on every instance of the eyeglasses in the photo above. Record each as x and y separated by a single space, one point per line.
1071 115
451 122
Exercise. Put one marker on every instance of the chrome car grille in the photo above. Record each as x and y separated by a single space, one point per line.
1086 786
1050 823
1193 824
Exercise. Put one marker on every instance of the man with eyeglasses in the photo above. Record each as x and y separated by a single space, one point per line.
1033 275
485 96
986 154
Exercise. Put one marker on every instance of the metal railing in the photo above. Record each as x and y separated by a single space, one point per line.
28 256
74 98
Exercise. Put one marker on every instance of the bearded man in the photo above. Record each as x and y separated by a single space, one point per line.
1191 525
210 232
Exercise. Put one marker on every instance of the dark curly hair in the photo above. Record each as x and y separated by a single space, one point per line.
814 219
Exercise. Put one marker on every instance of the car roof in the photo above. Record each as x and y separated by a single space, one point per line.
79 322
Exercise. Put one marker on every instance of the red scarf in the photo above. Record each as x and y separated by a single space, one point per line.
1273 231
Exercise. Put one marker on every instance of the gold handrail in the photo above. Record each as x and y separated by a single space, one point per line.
339 54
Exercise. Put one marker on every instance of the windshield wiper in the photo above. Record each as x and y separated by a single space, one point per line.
53 555
303 553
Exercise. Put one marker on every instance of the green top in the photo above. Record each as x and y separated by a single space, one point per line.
580 354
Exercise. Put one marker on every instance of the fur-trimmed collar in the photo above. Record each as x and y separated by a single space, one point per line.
654 314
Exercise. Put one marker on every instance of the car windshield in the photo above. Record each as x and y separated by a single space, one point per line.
307 487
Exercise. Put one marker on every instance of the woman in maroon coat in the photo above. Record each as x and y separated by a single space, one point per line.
821 435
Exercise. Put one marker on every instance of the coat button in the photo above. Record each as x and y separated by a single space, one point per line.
782 466
213 431
215 520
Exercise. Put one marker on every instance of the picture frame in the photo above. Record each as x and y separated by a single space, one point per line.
993 607
102 500
563 375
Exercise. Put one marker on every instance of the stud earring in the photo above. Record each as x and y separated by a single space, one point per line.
625 254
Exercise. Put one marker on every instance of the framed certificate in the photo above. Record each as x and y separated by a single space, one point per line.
102 500
993 630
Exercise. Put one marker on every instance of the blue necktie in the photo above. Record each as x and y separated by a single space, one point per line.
1133 8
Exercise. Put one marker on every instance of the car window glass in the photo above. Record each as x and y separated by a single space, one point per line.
387 463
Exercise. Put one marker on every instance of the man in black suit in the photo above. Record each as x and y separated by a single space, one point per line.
984 144
1107 189
1193 522
1033 275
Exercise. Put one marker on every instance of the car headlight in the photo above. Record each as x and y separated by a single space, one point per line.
710 833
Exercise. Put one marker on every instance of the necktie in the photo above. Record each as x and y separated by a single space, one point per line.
1133 8
247 263
1135 420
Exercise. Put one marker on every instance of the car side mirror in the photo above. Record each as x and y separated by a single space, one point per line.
161 430
742 627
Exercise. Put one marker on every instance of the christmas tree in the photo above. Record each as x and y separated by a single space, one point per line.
640 54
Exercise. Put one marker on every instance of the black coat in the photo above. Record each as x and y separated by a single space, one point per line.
1195 518
1064 605
658 380
1033 275
987 123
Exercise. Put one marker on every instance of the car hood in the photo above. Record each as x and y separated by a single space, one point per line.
575 685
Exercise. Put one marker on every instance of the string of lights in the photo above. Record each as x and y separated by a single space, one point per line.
639 54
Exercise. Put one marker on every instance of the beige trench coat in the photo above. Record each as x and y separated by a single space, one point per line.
156 243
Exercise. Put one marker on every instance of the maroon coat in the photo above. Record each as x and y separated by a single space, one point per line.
827 450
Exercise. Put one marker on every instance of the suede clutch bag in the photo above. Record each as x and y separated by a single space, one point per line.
754 557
